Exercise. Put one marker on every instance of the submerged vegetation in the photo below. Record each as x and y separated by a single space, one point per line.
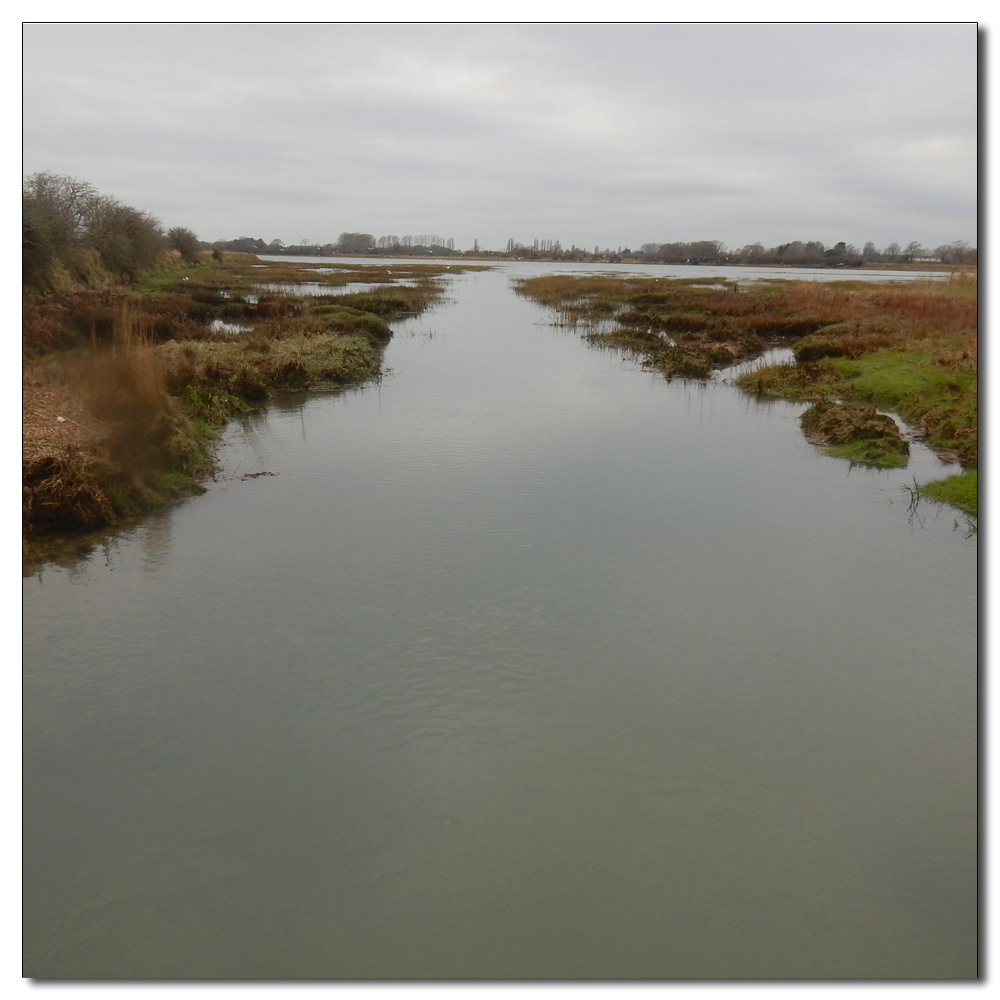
130 370
910 348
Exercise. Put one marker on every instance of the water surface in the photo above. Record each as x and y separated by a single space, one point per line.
524 663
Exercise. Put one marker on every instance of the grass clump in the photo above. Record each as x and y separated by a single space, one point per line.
215 380
103 438
961 491
856 432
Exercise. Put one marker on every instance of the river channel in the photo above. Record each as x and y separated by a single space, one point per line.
522 663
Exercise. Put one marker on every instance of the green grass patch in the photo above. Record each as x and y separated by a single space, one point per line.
961 491
943 400
889 377
940 396
870 453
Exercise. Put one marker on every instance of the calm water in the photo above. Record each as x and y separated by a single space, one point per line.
524 663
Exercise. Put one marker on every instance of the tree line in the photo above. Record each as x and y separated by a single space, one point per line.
795 253
816 254
347 243
71 232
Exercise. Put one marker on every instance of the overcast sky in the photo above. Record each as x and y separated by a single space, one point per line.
610 135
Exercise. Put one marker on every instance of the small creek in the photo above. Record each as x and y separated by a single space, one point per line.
523 663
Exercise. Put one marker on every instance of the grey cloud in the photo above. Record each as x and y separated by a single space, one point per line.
592 133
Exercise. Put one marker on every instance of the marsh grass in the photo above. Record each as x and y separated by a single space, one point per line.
153 379
936 392
214 379
907 347
710 322
143 448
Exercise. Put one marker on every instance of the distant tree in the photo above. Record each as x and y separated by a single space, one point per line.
250 244
356 242
958 252
705 250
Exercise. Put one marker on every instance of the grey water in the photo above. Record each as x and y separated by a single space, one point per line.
521 663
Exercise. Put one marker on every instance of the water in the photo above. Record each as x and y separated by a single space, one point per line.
525 663
314 288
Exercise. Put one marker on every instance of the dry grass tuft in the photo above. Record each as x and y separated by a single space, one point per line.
856 432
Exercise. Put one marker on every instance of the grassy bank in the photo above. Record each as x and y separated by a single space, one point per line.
961 491
125 387
910 348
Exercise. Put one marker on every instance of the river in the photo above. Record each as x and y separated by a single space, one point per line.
522 663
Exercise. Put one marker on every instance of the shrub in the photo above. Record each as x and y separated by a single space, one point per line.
184 242
69 229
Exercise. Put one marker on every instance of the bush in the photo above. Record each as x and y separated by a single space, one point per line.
54 213
128 241
184 242
69 230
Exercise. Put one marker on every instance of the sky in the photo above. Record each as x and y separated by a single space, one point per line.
593 134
